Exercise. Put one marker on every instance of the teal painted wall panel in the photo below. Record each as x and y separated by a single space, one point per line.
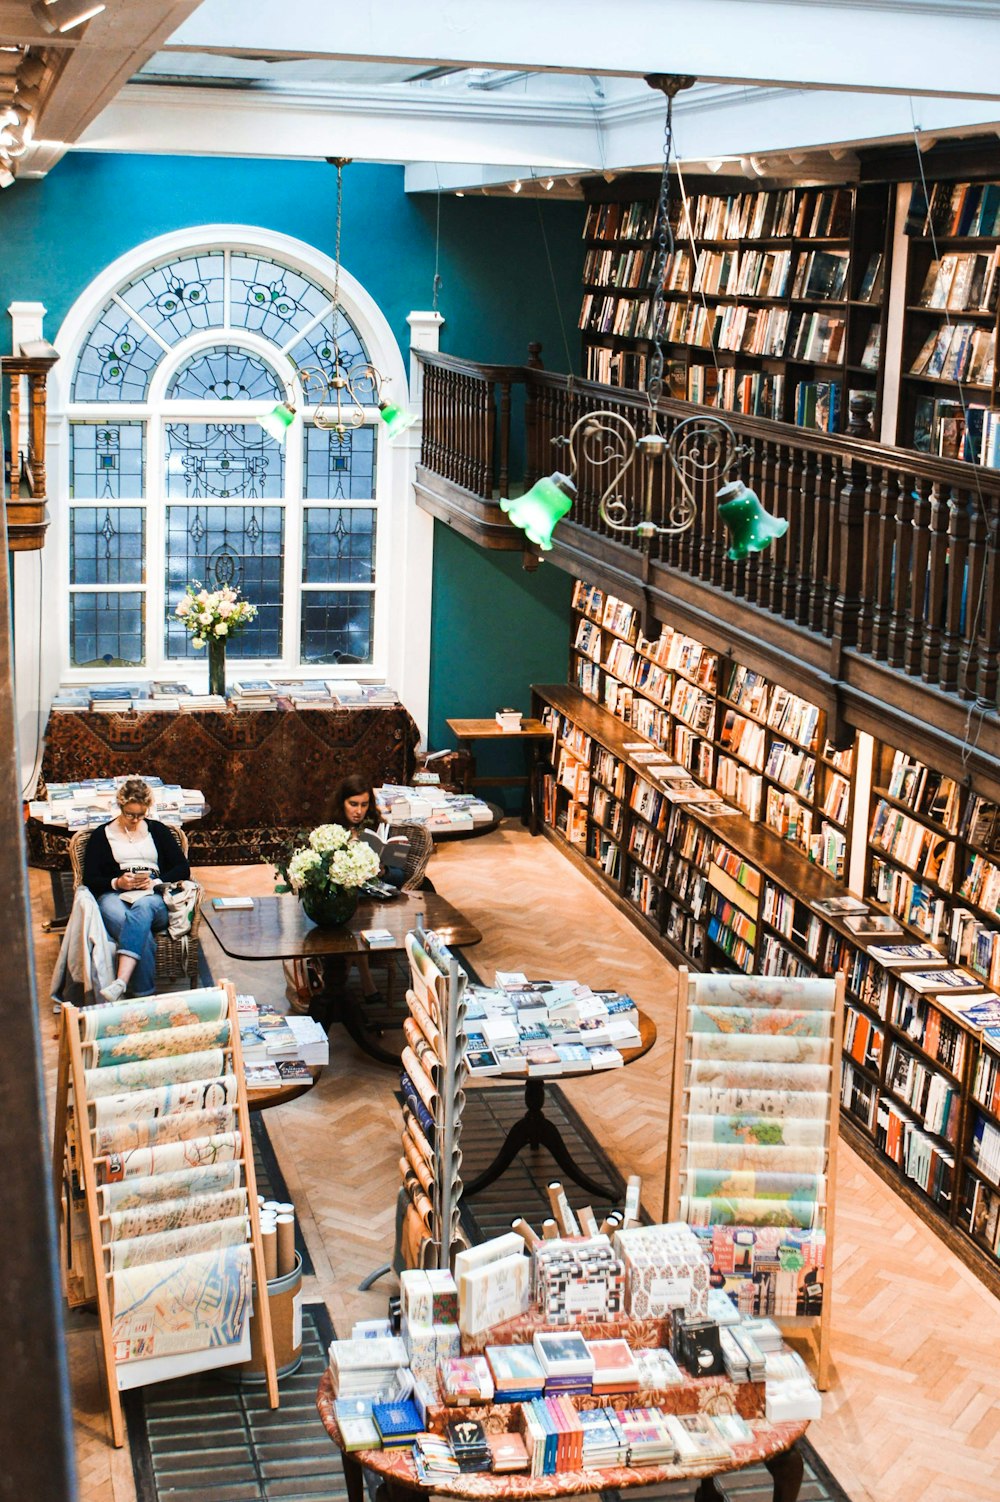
496 629
59 232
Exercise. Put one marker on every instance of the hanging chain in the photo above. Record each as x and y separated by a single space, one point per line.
340 162
664 234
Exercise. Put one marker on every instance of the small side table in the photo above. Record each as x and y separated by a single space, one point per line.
530 736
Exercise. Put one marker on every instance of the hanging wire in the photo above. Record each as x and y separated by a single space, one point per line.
695 259
555 294
965 663
437 283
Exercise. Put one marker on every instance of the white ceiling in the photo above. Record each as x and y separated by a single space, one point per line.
478 93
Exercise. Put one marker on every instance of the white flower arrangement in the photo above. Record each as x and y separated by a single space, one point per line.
330 860
217 613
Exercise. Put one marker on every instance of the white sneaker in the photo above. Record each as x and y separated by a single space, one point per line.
114 992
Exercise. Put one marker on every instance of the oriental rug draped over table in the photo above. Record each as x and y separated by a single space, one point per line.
265 773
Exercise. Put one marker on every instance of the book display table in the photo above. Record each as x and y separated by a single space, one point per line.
773 1445
534 1129
268 772
530 737
276 928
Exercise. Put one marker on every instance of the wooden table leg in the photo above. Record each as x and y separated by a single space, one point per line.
708 1491
786 1470
354 1478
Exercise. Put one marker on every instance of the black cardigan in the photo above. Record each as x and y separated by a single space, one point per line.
100 868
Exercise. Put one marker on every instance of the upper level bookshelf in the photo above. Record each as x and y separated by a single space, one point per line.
773 299
948 380
720 889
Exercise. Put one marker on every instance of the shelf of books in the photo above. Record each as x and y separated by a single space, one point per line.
774 299
949 381
715 883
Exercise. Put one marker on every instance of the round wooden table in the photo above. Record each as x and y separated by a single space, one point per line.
773 1445
534 1129
267 1096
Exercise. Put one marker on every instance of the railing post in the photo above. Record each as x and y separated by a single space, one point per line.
850 549
901 580
937 569
920 552
958 562
988 637
503 474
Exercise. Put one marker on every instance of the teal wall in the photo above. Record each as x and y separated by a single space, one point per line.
59 232
496 629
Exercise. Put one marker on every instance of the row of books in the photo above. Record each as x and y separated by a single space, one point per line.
628 317
614 367
435 807
617 268
955 209
963 282
132 698
749 391
306 693
956 430
957 352
926 1162
619 221
799 212
278 1048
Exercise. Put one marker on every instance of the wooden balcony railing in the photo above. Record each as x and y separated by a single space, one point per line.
891 553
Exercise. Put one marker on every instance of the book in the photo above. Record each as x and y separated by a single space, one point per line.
379 938
872 925
840 907
231 904
906 954
391 849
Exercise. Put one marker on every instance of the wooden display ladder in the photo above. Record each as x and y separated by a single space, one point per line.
687 991
70 1082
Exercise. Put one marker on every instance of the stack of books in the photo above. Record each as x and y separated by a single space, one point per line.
398 1423
467 1438
615 1368
508 1453
356 1424
434 1459
697 1440
604 1444
466 1379
647 1433
517 1373
431 805
565 1360
277 1048
657 1369
365 1368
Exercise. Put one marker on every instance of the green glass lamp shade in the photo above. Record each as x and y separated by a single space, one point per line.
396 418
537 511
277 422
751 528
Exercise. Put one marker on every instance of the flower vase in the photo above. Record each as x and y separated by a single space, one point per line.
217 665
331 908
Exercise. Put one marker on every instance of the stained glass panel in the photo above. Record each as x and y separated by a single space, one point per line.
107 461
223 459
225 373
338 545
181 296
338 469
237 545
117 360
106 630
107 545
337 625
272 300
317 349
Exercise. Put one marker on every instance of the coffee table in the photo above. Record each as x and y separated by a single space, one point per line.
534 1129
276 928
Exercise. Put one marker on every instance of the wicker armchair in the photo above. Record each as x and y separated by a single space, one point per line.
175 959
421 849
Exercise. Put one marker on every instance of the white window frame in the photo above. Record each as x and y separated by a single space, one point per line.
393 462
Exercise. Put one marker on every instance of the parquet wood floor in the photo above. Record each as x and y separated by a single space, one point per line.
913 1414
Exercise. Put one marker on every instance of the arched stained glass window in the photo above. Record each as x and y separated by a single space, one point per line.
172 480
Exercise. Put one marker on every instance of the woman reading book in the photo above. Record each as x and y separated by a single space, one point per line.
355 809
126 865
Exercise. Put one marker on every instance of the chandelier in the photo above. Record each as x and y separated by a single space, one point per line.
698 448
340 396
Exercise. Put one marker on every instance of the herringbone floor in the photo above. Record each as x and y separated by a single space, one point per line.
913 1414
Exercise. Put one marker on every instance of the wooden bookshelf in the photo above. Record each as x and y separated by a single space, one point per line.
774 300
948 380
920 1081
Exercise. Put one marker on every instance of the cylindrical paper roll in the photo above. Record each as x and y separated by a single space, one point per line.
565 1219
261 1201
285 1208
272 1205
588 1221
550 1230
269 1239
632 1195
286 1244
611 1223
530 1237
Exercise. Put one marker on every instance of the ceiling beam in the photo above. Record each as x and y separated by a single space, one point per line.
879 45
111 48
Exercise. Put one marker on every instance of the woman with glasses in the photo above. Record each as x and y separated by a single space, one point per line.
126 865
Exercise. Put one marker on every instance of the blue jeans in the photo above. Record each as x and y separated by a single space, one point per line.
132 926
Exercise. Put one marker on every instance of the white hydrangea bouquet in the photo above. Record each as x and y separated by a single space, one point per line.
326 871
213 615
